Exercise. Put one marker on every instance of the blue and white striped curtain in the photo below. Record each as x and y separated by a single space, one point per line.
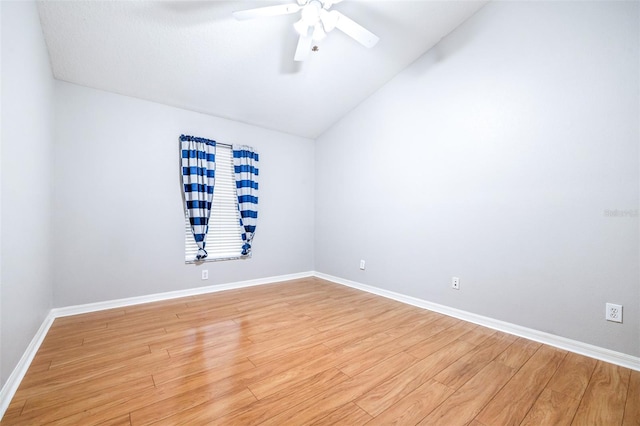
245 165
198 178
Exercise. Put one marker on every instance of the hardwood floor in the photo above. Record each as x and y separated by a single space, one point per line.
308 352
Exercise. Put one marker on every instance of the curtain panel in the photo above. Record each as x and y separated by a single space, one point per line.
245 165
198 157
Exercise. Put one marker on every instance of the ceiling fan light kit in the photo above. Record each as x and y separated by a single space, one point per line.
316 20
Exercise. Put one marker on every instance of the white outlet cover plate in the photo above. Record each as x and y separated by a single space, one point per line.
613 312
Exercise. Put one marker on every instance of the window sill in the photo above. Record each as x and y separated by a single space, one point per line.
216 259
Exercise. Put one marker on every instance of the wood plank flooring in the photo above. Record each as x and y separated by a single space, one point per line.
308 352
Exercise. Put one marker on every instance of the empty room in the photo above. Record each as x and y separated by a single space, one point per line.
299 212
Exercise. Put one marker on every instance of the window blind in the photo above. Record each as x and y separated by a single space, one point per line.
224 240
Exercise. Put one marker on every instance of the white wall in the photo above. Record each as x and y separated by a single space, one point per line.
27 93
2 380
119 221
493 158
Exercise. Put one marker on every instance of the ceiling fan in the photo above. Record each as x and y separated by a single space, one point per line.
316 20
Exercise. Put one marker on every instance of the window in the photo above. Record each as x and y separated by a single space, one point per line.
224 240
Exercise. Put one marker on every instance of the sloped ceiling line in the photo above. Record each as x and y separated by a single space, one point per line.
194 55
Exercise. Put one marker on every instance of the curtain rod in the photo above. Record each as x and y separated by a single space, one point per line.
206 140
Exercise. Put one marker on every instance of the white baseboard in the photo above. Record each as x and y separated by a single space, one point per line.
13 381
11 386
121 303
592 351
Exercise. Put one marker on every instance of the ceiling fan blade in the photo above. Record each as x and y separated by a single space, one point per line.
355 30
261 12
303 49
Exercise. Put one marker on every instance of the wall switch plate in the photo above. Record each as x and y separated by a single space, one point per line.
205 274
455 283
614 312
362 264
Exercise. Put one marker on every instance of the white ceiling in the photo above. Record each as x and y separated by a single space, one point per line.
196 56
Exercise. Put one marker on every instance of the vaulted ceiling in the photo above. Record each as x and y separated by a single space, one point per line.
196 56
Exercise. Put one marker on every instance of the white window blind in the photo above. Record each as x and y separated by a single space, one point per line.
224 240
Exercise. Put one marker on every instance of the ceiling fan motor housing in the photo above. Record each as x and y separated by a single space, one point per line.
316 20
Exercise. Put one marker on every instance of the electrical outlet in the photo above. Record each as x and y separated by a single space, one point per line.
455 283
614 312
362 264
205 274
